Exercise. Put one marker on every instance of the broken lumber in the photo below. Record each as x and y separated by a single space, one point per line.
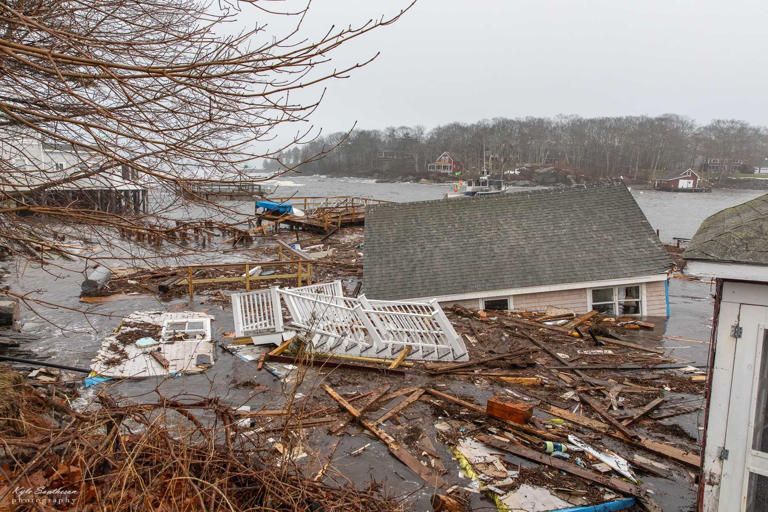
282 348
160 359
400 357
613 483
399 407
400 453
377 393
610 419
671 452
580 320
332 363
453 367
523 381
643 411
501 408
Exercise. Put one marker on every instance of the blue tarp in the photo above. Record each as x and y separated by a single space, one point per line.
275 207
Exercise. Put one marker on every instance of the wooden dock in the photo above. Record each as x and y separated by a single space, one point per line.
322 214
212 190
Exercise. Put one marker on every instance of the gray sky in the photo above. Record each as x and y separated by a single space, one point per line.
451 60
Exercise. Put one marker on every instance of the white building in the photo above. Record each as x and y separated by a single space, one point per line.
732 246
28 162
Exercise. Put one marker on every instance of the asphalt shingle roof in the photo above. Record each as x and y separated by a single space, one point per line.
735 235
536 238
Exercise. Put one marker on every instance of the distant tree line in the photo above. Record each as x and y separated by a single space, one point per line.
637 148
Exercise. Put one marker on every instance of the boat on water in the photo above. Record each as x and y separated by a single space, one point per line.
484 185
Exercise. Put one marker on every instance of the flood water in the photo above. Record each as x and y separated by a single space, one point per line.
71 338
67 336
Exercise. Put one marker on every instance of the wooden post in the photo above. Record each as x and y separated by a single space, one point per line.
247 277
191 283
298 273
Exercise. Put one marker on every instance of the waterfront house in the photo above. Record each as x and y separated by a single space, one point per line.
582 249
50 173
687 181
445 164
732 247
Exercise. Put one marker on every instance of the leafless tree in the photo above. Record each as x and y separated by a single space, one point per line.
147 92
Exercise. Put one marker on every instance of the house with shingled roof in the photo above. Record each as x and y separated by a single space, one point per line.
578 248
731 246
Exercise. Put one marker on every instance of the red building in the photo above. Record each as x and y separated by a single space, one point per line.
688 181
446 164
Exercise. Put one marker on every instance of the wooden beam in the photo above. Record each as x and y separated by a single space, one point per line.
610 419
400 357
613 483
458 366
688 458
580 319
427 474
282 348
399 407
377 393
642 412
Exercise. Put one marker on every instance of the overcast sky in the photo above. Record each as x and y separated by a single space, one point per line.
451 60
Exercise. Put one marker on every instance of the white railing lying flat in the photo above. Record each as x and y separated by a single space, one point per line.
352 326
257 312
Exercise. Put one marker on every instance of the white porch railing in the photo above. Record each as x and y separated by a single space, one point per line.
353 326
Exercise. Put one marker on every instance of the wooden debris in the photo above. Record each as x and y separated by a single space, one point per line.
443 503
399 407
160 359
504 409
580 319
427 474
281 348
610 419
377 393
645 410
440 369
400 357
523 381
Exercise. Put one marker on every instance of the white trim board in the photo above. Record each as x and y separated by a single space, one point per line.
546 288
736 271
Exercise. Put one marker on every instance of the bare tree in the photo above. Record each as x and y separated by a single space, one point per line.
145 92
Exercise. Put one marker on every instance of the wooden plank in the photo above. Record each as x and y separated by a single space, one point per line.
521 451
400 357
399 392
361 359
642 412
580 319
671 452
610 419
627 344
523 381
427 474
377 393
282 348
525 428
160 359
457 366
578 419
333 363
399 407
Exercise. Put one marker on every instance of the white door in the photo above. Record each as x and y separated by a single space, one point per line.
685 184
744 483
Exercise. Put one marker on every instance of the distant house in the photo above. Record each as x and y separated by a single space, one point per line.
688 181
732 246
445 164
72 176
581 249
724 165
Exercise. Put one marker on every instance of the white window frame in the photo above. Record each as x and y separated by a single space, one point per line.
643 307
510 302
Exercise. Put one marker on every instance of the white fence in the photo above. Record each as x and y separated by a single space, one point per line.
353 326
257 312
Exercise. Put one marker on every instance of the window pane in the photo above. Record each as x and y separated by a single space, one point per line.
757 493
629 292
602 295
605 309
760 434
497 304
629 307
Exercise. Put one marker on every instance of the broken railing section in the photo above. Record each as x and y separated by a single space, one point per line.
351 326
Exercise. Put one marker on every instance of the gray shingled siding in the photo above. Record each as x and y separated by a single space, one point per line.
735 235
444 247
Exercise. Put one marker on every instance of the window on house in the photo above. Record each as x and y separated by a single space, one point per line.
496 304
617 300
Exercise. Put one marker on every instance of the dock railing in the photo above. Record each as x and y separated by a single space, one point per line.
300 270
